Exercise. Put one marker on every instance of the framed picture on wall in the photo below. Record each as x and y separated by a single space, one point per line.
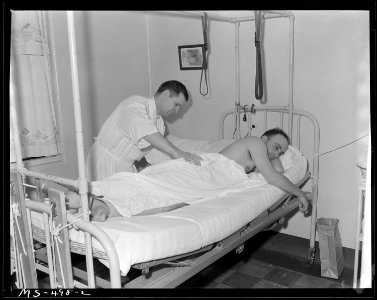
191 57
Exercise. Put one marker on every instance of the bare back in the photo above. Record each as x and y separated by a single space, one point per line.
239 152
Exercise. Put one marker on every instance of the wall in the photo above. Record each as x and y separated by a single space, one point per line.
125 53
332 82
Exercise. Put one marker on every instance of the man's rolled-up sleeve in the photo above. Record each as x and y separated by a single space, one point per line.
136 124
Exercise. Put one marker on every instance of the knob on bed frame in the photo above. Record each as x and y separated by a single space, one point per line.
239 249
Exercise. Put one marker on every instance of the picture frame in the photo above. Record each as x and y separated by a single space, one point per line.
191 57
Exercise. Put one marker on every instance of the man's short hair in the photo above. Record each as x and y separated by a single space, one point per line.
274 131
175 87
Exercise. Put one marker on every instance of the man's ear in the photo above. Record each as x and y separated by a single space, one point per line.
264 138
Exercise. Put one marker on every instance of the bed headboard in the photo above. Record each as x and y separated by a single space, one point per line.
291 114
294 126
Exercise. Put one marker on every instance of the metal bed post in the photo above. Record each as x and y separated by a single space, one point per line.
14 122
315 177
83 185
311 254
237 66
290 105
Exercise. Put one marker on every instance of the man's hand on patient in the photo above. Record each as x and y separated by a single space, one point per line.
189 157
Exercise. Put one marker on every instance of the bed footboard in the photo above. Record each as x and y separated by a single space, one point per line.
54 256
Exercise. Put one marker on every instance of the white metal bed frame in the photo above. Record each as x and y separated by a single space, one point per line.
18 205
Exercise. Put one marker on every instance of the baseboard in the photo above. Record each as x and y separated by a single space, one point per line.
294 246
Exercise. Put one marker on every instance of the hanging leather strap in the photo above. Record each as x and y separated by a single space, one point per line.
205 45
257 42
205 49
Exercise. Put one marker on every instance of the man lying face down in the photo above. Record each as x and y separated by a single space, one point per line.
254 154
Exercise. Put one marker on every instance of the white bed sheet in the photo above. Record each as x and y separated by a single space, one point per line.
190 145
171 182
144 238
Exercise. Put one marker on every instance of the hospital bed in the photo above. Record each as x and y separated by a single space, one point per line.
165 248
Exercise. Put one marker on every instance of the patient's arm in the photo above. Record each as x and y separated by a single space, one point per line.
99 209
258 151
276 163
153 211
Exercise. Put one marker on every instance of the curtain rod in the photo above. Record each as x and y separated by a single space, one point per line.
275 14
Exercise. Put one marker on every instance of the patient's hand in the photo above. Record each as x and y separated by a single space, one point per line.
304 201
102 210
73 200
99 211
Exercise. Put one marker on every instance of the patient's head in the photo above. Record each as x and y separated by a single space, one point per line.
277 142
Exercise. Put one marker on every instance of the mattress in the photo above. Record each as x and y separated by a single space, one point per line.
139 239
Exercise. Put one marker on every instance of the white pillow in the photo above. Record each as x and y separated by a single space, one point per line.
294 163
290 157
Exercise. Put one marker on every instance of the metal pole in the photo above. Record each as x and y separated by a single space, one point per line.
14 122
291 43
237 65
197 15
53 178
83 185
273 15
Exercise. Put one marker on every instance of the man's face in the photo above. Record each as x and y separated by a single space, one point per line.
276 146
171 105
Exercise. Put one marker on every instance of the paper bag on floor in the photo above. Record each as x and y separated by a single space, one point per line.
330 247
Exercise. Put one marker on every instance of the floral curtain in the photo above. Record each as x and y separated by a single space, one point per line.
32 85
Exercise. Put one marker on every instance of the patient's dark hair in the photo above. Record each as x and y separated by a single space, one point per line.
274 131
175 87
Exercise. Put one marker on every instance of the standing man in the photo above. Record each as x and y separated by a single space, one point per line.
133 129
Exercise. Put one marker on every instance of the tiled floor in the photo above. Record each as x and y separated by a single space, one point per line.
265 270
255 267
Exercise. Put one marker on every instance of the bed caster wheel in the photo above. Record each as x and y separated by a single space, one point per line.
239 249
311 256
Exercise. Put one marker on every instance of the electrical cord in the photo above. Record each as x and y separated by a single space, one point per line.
343 145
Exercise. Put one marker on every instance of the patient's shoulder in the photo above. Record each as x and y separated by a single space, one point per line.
252 140
254 144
